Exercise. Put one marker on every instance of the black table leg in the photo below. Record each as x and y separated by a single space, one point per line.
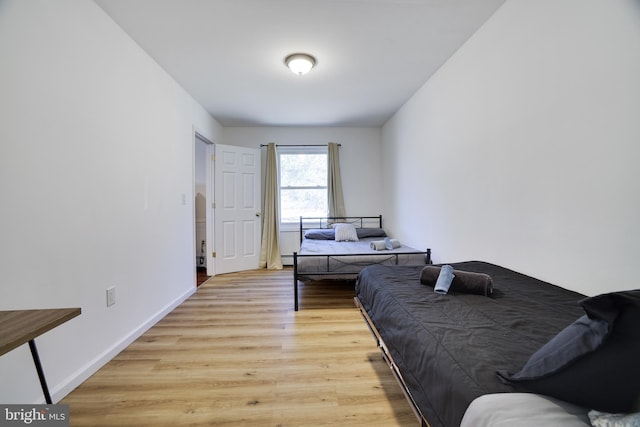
43 382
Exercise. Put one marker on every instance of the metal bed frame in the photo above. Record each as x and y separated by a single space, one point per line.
359 222
386 355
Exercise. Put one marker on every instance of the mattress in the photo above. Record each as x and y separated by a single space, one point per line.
449 347
318 258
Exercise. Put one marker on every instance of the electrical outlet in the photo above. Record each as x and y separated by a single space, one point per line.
111 296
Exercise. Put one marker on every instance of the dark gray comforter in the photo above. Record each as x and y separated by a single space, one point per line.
448 347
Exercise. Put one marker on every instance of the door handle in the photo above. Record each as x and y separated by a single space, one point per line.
257 213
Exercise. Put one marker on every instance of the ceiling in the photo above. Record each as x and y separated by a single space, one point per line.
372 55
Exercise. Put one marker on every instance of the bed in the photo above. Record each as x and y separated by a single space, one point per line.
325 256
456 350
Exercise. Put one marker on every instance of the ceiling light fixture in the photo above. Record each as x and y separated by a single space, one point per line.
300 63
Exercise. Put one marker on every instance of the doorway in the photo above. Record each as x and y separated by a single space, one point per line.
203 194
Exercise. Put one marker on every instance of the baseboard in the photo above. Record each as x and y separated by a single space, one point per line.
59 391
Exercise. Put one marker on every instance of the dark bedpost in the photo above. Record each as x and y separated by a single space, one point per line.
300 229
380 221
295 281
429 256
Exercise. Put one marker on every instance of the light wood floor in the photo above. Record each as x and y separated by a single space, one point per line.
236 354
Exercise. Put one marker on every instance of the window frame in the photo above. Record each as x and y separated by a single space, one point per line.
299 149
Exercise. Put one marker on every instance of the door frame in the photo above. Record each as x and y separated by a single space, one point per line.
209 194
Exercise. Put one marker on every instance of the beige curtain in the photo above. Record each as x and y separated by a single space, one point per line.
336 199
270 250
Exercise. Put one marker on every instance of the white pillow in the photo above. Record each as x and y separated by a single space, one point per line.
345 232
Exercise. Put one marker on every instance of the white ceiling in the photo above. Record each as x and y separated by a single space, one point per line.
372 54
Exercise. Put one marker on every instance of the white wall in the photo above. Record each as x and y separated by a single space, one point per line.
524 147
96 155
360 164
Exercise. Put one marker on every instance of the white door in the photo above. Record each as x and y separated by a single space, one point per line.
237 208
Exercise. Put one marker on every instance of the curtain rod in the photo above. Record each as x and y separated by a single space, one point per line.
299 145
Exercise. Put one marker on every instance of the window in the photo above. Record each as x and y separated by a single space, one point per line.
303 183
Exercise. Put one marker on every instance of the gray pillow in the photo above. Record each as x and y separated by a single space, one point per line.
581 337
370 232
320 234
583 367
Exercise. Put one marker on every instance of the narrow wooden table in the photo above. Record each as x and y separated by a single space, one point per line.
20 326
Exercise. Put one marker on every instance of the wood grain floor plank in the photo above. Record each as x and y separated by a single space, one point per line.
236 354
